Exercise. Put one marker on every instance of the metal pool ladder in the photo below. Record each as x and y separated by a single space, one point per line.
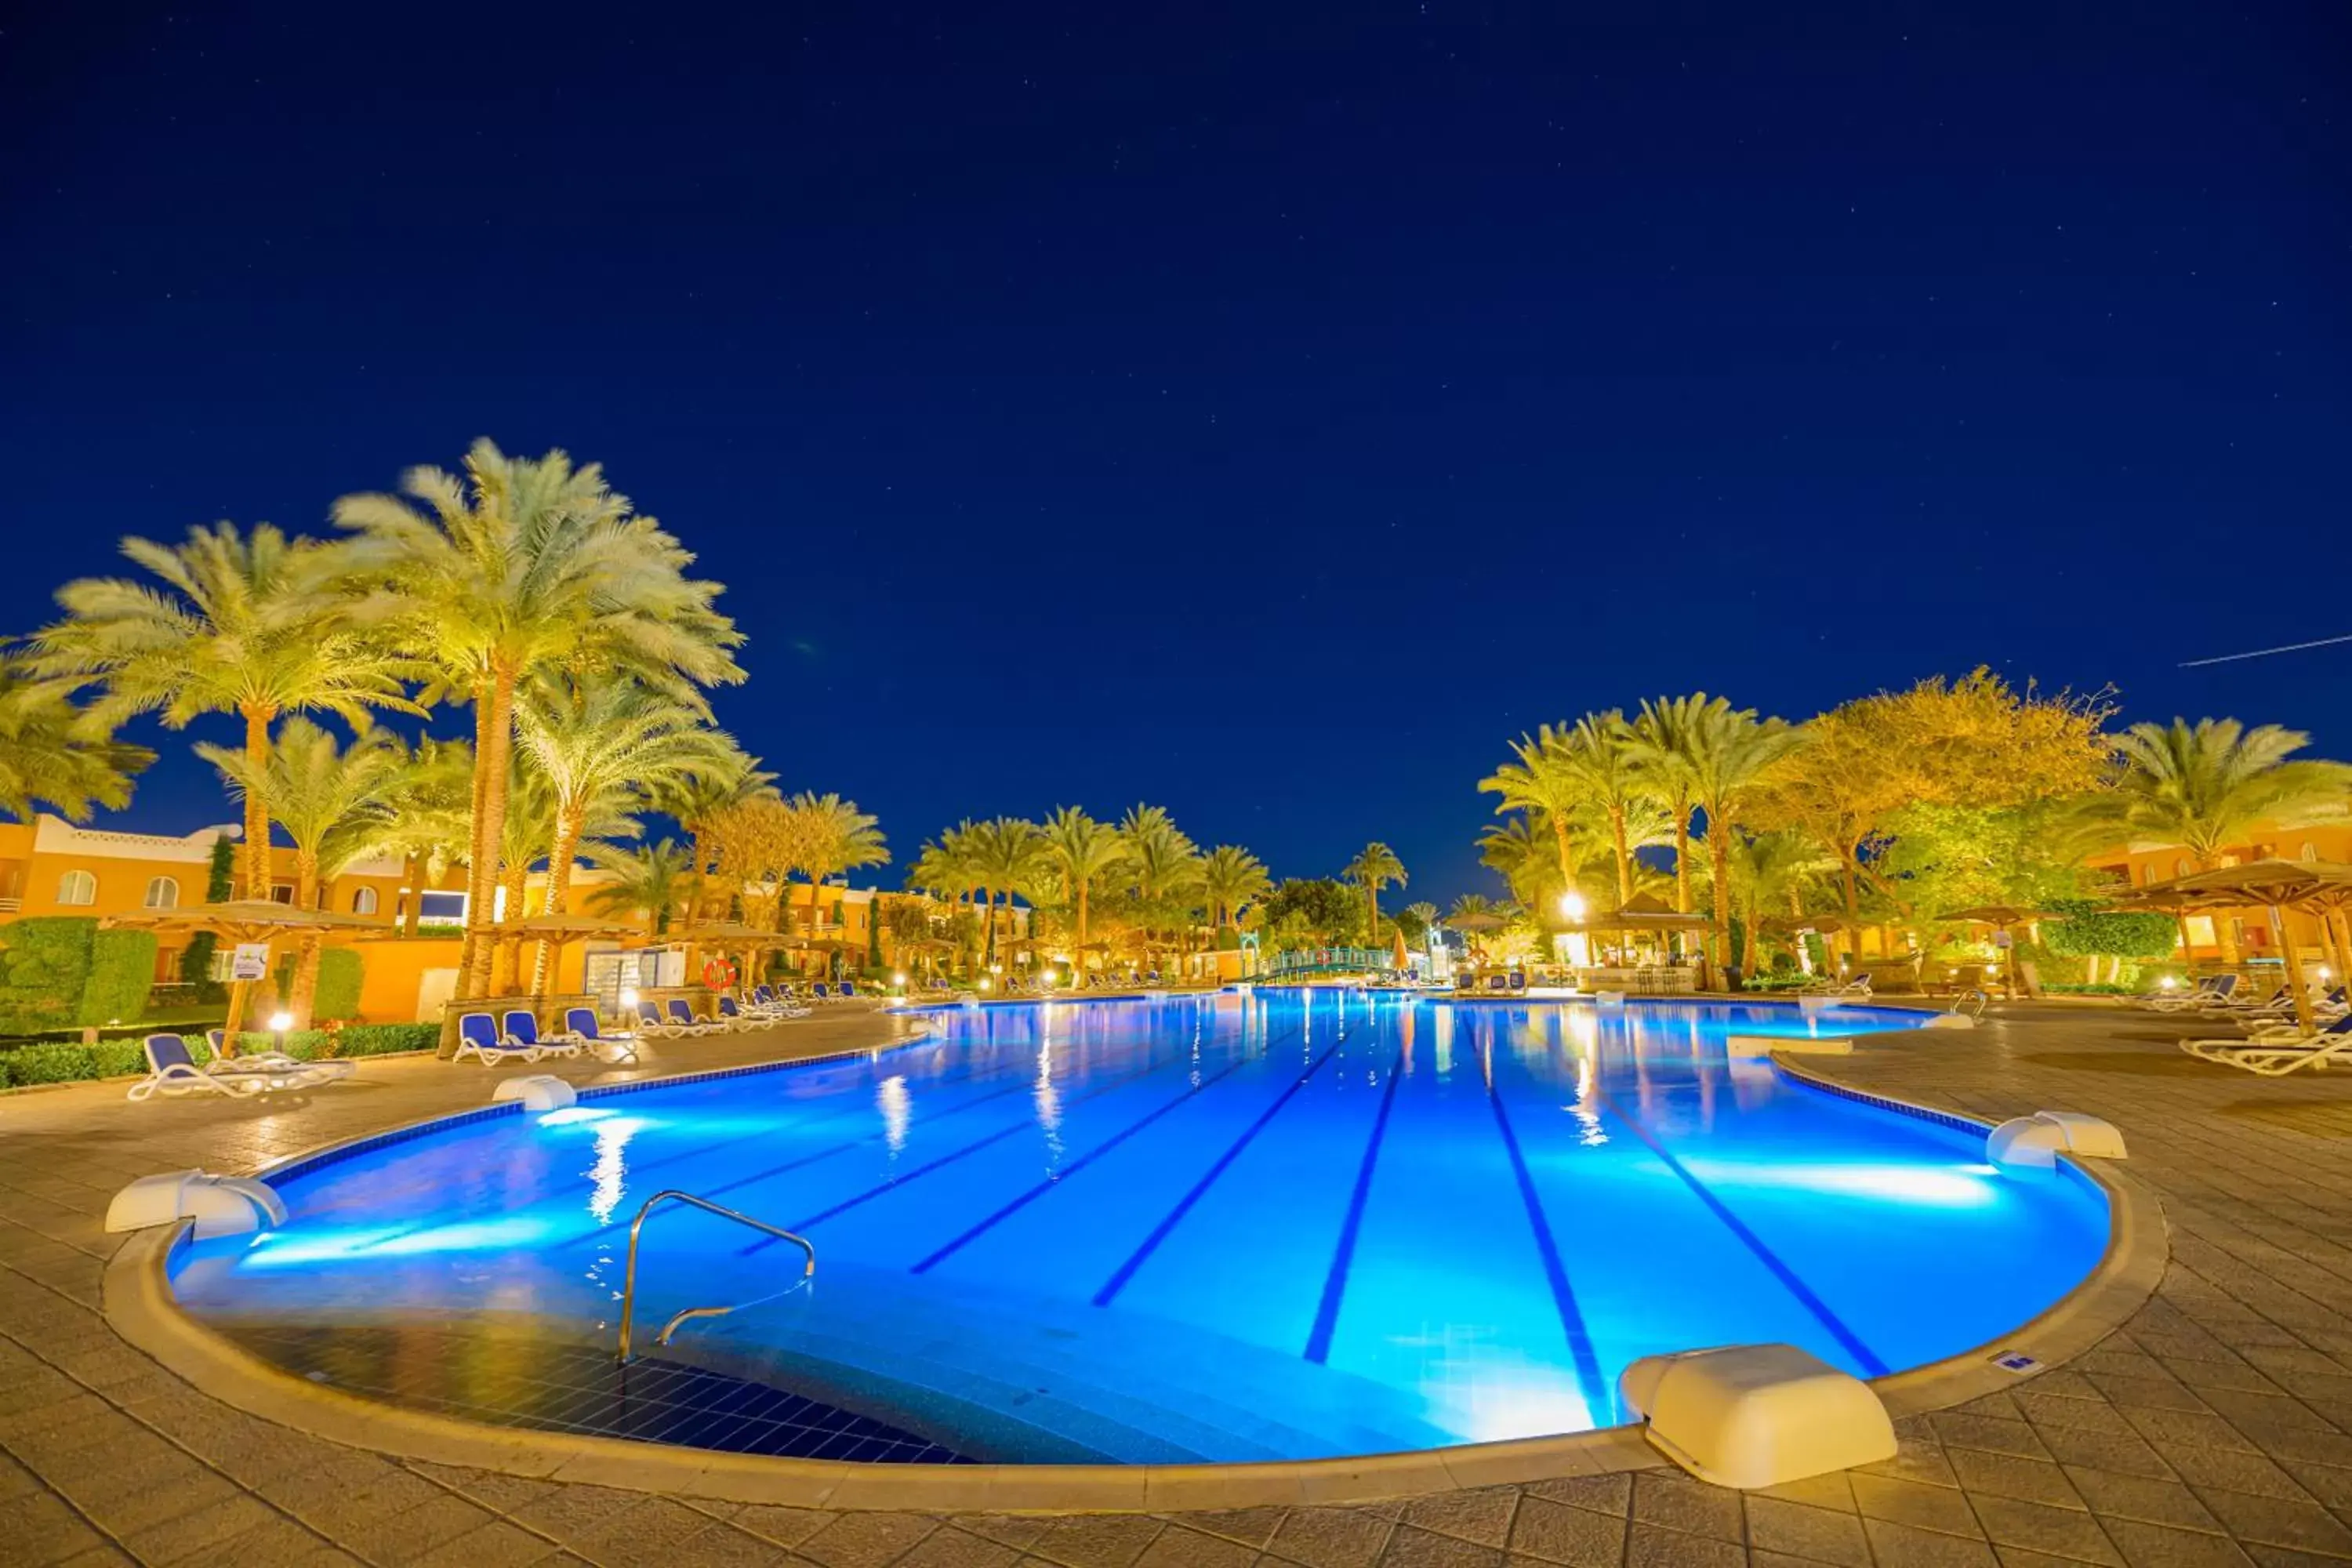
629 1279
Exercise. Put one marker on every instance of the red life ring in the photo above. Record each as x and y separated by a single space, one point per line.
718 973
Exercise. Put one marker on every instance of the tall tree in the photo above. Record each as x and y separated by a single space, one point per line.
1603 759
1728 751
2204 787
49 757
654 879
1666 735
607 747
1544 781
830 836
1374 867
1163 867
1231 877
246 623
427 822
513 569
1005 853
1082 850
330 800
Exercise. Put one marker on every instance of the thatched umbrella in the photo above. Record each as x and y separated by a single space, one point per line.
241 920
2001 917
557 932
2323 886
1642 912
735 937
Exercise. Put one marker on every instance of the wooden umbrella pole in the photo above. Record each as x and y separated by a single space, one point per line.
2337 923
2293 969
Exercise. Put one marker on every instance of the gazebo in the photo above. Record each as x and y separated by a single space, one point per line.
2321 887
556 932
242 920
735 938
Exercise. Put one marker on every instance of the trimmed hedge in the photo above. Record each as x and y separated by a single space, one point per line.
342 970
61 972
61 1062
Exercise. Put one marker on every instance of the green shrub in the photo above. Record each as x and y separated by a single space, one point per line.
61 972
48 1063
380 1039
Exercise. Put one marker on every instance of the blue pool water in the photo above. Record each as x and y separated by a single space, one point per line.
1292 1225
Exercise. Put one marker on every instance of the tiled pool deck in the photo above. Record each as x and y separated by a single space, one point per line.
2214 1427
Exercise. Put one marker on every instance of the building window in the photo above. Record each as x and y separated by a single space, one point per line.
77 888
281 892
162 893
2310 850
364 901
2180 867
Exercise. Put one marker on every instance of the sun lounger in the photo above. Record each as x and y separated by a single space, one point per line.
329 1071
580 1022
521 1026
2275 1058
2213 988
478 1037
732 1017
172 1071
682 1019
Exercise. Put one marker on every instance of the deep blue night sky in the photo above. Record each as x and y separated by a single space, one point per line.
1262 412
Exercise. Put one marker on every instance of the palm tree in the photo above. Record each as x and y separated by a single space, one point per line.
427 823
2203 787
330 800
1769 870
1231 877
1522 855
1163 863
1544 782
1726 751
607 747
517 568
707 805
830 836
1664 737
47 756
242 623
1005 853
1603 759
654 878
1082 850
1374 867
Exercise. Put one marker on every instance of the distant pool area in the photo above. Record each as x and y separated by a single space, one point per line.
1284 1225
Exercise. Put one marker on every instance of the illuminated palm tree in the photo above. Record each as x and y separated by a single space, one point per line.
1164 865
427 820
1231 877
2204 787
607 748
1082 850
1602 761
48 756
1665 738
652 879
830 836
1374 867
247 623
1545 783
331 801
1767 870
1726 751
1005 853
710 805
1522 855
513 570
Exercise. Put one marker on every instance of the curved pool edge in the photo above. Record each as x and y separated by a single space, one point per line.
139 1305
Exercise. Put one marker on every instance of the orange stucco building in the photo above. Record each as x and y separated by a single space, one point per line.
2141 863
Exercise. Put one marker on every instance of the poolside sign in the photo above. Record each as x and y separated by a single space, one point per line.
251 962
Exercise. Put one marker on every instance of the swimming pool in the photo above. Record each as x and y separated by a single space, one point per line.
1292 1225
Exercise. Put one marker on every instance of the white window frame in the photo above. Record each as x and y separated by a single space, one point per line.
169 886
76 881
364 901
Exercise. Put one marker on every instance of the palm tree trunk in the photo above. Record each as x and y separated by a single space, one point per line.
412 877
1720 855
569 821
1625 857
1682 856
256 803
1079 954
507 952
1567 858
492 713
306 966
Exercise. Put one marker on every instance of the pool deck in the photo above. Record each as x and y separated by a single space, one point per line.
2215 1427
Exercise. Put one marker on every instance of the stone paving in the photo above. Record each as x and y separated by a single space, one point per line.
2214 1427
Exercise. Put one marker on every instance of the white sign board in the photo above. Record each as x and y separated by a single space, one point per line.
251 962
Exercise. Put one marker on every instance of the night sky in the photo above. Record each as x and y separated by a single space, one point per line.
1267 412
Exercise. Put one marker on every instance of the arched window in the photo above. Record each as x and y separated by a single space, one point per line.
77 888
162 893
2180 867
364 901
2310 850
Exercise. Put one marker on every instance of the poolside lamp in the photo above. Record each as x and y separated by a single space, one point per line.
1571 906
629 998
279 1022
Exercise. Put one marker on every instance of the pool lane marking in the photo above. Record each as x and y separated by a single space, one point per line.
950 1158
1074 1167
1597 1402
1335 1282
1160 1232
1864 1357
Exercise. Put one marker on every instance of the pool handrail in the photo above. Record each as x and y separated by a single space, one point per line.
629 1277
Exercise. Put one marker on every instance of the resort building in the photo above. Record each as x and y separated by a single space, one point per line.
2141 863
